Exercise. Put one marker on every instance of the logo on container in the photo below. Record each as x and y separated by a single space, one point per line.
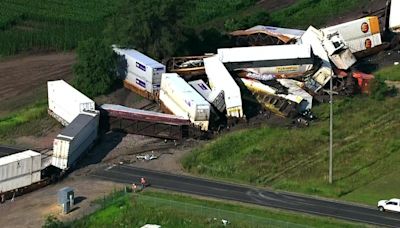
368 43
202 86
364 27
140 66
141 83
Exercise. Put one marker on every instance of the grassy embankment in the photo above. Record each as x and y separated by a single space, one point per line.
32 120
366 152
173 210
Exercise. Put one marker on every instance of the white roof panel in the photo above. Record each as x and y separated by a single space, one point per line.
260 53
142 58
18 157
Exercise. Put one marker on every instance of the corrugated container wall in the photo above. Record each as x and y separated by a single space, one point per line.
66 102
197 108
216 97
220 79
19 170
75 139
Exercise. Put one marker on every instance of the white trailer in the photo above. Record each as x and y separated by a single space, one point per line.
215 97
314 38
266 56
65 102
220 79
394 18
360 34
19 170
142 71
178 90
75 140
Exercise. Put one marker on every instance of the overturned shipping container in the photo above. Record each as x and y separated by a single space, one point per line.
314 38
65 102
19 170
176 92
215 97
266 56
143 74
220 79
75 140
360 34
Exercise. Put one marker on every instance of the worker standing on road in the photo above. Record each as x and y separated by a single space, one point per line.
2 197
143 182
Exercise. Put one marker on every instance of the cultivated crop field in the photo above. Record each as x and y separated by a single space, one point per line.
50 24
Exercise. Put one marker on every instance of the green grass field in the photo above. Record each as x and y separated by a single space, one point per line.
31 120
316 13
391 73
366 151
173 210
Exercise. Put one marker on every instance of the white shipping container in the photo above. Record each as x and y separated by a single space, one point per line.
364 43
220 79
314 38
356 29
185 96
142 83
394 19
216 97
172 106
265 53
75 139
141 65
19 170
359 34
66 102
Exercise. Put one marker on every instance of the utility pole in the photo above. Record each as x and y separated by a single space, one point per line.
330 128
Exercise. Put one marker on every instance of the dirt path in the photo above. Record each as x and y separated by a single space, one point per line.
30 210
23 79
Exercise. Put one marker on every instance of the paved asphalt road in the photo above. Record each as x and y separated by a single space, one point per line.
220 190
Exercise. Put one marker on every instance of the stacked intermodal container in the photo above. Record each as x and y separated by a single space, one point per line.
19 170
65 102
143 74
182 100
75 140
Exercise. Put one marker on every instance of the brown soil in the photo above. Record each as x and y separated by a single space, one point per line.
23 79
271 5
